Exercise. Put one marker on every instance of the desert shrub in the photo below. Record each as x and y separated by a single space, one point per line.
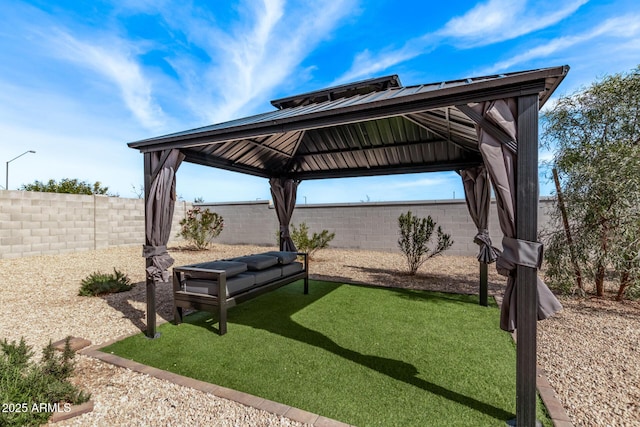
24 383
310 245
200 227
100 283
415 237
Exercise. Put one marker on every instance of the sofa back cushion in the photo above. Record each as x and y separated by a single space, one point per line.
257 262
283 256
233 268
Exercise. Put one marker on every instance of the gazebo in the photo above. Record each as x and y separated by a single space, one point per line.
485 128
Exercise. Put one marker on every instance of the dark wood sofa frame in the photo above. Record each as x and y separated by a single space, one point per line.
220 303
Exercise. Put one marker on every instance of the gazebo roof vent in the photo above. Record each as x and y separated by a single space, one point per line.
362 87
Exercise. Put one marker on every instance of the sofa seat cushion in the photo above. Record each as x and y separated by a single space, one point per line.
283 256
268 275
257 262
240 282
292 268
232 268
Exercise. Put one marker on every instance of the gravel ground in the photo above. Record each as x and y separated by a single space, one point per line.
589 351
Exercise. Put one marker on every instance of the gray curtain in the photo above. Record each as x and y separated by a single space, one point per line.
284 191
501 162
477 192
160 204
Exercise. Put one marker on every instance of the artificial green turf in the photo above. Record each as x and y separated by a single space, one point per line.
363 355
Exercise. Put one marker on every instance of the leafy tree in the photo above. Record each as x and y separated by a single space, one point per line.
415 237
66 185
596 135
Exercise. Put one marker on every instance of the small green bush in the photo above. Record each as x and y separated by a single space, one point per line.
310 245
100 283
26 385
200 227
415 236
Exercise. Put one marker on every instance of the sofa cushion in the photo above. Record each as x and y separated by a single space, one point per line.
283 256
232 268
293 268
268 275
237 284
257 262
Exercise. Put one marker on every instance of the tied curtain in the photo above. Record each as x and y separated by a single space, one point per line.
159 207
284 191
500 158
477 191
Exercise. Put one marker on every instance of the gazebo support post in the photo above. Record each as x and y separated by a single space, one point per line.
484 284
151 287
526 280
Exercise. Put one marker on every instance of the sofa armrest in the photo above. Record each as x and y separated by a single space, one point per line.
305 256
219 276
205 271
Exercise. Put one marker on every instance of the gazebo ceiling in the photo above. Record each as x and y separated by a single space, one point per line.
372 127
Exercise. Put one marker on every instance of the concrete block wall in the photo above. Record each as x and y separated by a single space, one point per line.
371 226
48 223
246 223
33 223
375 225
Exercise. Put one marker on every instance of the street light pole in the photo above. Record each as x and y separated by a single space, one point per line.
6 182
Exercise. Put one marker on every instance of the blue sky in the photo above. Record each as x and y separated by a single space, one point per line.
78 80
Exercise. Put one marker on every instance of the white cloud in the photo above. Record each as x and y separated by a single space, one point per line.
487 23
115 60
500 20
627 27
494 16
252 57
367 63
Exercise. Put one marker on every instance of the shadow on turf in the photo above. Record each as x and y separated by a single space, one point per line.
465 283
255 314
409 293
124 303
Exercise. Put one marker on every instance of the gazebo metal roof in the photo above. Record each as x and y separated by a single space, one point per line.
372 127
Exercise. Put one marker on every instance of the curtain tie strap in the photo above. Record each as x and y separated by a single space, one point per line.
160 262
519 252
284 231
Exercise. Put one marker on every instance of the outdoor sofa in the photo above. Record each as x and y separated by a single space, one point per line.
215 286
